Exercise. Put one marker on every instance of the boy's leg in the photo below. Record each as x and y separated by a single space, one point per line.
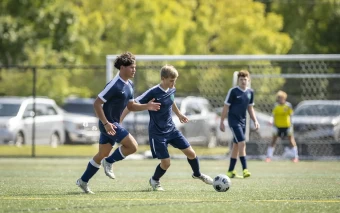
195 166
128 147
159 172
271 147
93 166
294 147
159 149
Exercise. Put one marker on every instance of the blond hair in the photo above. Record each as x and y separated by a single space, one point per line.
282 94
243 73
169 71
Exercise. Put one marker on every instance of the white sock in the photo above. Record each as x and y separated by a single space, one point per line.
270 151
295 152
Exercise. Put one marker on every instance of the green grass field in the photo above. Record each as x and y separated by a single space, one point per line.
48 185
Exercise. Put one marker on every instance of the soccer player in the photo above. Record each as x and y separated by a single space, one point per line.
282 113
239 99
109 105
162 130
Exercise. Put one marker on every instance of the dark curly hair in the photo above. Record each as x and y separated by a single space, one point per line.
125 59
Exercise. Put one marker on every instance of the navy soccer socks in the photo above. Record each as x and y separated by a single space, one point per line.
91 170
195 166
159 172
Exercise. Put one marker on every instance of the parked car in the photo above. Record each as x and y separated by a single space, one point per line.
264 133
317 120
80 121
200 130
16 121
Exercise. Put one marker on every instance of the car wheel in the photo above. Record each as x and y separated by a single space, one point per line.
54 140
19 139
67 138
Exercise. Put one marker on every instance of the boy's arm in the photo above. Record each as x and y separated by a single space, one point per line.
251 112
223 116
98 109
124 114
152 106
182 118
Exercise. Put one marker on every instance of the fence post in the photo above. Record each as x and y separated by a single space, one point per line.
34 110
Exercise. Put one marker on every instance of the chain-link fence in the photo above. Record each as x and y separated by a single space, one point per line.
210 80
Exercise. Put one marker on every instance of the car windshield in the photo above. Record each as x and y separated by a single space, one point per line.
85 109
318 110
9 109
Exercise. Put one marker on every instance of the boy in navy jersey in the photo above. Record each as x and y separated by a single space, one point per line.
239 100
109 105
162 130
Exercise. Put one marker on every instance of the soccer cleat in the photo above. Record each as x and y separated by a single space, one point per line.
84 186
295 160
205 178
246 173
233 174
156 185
108 169
268 160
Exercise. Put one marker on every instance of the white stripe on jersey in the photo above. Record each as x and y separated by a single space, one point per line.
144 94
108 87
228 95
153 145
232 131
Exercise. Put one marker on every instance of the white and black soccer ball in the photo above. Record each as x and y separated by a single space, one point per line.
221 183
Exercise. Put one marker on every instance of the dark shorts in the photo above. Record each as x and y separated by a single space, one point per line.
239 133
283 132
159 143
105 138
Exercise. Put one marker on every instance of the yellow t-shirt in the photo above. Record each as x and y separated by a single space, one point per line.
281 114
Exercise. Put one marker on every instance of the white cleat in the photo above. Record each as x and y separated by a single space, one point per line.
84 186
156 185
108 169
205 178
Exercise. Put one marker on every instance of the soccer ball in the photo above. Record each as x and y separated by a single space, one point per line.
221 183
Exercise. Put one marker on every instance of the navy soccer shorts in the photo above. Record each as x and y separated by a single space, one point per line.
238 133
105 138
159 143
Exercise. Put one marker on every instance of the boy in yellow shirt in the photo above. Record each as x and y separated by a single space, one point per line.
282 113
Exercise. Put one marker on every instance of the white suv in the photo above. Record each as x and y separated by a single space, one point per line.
16 121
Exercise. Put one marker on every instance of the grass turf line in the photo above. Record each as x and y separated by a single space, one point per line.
48 185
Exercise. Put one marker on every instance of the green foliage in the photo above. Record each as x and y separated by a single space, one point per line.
45 32
313 25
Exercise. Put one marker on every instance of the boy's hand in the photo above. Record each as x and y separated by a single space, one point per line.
153 106
257 125
183 119
222 127
110 128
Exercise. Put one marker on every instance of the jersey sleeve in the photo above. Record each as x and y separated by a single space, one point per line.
290 110
229 98
145 97
251 101
108 92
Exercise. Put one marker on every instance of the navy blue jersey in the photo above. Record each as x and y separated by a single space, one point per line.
238 101
160 121
116 95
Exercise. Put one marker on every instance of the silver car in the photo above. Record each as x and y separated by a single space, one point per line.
16 121
81 123
200 130
317 120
